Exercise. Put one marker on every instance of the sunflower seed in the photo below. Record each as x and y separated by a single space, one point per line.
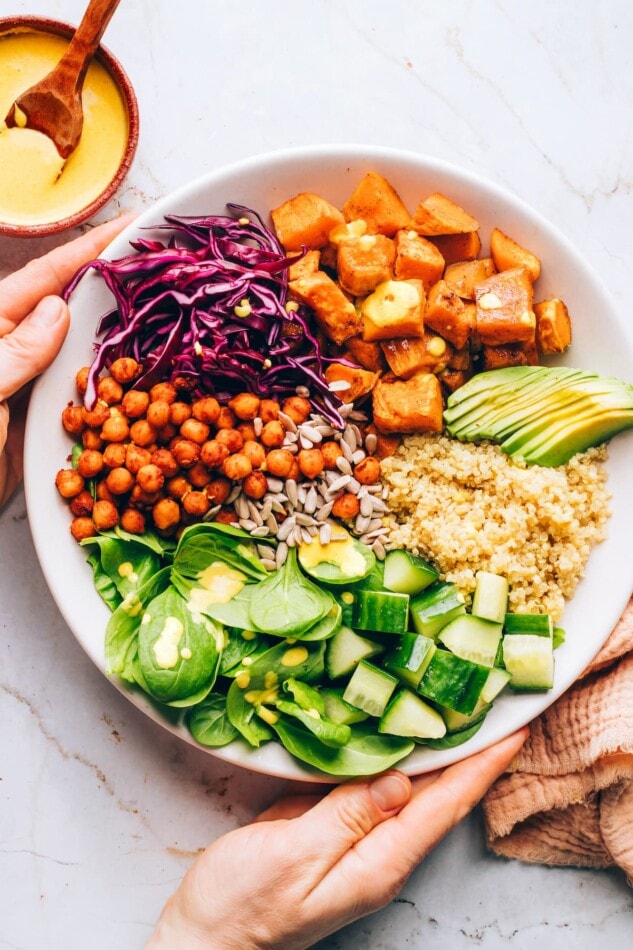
375 523
358 456
325 533
343 465
241 507
211 513
339 385
266 509
271 521
261 531
324 511
290 438
349 436
291 491
353 485
379 550
235 491
304 537
366 506
346 450
379 505
264 550
303 519
258 425
361 524
269 563
274 484
371 441
291 540
255 513
287 422
247 524
340 483
311 501
286 528
281 554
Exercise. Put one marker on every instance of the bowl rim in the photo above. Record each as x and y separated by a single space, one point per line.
43 24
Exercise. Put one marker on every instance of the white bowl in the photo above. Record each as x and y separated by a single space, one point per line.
600 343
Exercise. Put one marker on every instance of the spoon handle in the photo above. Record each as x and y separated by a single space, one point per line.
72 66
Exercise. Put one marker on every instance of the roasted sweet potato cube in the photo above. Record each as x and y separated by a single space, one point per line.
452 379
462 276
361 381
437 214
504 308
417 257
448 314
458 247
507 254
460 359
305 221
366 354
364 262
553 326
386 445
395 309
408 405
377 203
333 311
509 354
304 265
428 353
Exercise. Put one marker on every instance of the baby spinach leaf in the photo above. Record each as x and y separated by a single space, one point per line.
236 648
121 638
329 733
327 626
287 604
178 653
304 695
210 724
201 544
242 715
364 754
128 564
104 585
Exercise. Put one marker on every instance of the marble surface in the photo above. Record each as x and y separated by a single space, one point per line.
101 811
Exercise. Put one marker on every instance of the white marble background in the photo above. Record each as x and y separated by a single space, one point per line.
100 810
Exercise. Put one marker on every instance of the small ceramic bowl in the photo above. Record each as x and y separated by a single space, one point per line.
16 24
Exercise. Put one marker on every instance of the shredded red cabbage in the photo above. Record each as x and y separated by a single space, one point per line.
177 306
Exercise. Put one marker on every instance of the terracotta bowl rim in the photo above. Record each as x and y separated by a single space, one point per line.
44 24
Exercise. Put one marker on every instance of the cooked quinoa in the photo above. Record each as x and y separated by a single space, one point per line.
469 507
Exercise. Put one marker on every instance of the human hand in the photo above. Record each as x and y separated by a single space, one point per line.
33 324
309 865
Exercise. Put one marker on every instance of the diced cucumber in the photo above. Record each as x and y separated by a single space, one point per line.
541 625
381 610
408 715
456 721
407 573
472 638
490 600
338 711
433 608
497 680
558 637
370 689
345 650
529 659
453 682
410 658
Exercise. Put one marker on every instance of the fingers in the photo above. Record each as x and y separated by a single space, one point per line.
48 275
290 806
32 345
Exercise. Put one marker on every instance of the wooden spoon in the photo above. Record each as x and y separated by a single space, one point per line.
53 105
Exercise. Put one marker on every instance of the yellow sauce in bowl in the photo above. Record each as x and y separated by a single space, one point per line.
36 186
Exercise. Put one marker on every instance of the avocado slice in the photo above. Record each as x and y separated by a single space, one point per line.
543 415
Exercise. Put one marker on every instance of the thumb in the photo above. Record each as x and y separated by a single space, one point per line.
33 345
348 814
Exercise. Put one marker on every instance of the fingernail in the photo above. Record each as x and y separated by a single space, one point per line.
47 312
390 791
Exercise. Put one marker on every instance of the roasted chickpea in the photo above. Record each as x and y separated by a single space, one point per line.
102 492
346 506
226 418
165 461
247 431
179 412
133 521
279 462
255 452
81 380
109 390
115 429
114 455
177 486
367 472
158 413
150 478
72 420
331 451
310 462
231 438
237 467
69 482
163 391
213 453
166 434
125 369
268 410
255 485
89 463
186 452
199 475
91 439
97 416
135 403
206 409
82 504
82 528
104 515
135 457
119 481
142 433
273 435
195 430
196 503
298 408
245 405
226 516
143 499
218 490
166 513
